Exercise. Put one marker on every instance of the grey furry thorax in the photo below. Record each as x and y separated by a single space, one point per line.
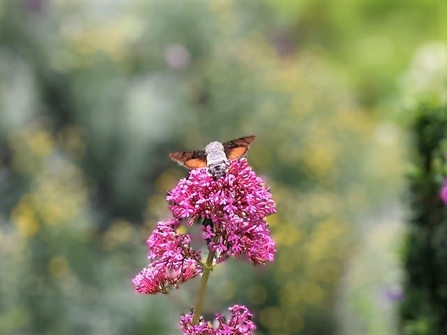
216 159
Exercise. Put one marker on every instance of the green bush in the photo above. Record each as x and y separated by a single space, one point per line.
424 308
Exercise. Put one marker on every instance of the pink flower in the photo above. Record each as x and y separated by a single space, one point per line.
240 323
443 193
172 260
236 204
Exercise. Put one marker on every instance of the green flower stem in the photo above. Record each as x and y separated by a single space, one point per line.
201 295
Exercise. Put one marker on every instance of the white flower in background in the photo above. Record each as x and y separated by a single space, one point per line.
427 76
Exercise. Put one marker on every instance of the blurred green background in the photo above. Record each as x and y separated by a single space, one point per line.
95 94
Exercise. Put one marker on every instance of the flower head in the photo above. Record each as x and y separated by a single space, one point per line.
443 193
240 323
172 260
236 204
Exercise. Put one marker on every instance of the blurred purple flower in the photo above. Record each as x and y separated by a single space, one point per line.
236 204
172 260
443 193
394 294
177 57
240 323
35 6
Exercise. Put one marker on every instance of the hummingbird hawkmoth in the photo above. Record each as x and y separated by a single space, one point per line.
216 156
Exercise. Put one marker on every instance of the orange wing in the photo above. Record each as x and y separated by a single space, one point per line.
238 148
190 159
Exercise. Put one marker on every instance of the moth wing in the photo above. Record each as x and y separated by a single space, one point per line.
190 159
238 148
195 163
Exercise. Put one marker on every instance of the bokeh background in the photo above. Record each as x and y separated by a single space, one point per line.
95 94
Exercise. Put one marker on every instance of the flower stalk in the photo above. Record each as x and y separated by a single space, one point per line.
202 289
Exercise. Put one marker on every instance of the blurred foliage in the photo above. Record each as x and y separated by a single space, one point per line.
372 36
93 96
424 310
59 276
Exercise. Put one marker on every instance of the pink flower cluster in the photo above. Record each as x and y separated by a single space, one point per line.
237 205
443 193
232 211
173 260
240 323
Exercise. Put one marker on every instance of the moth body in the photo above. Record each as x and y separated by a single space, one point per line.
215 157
